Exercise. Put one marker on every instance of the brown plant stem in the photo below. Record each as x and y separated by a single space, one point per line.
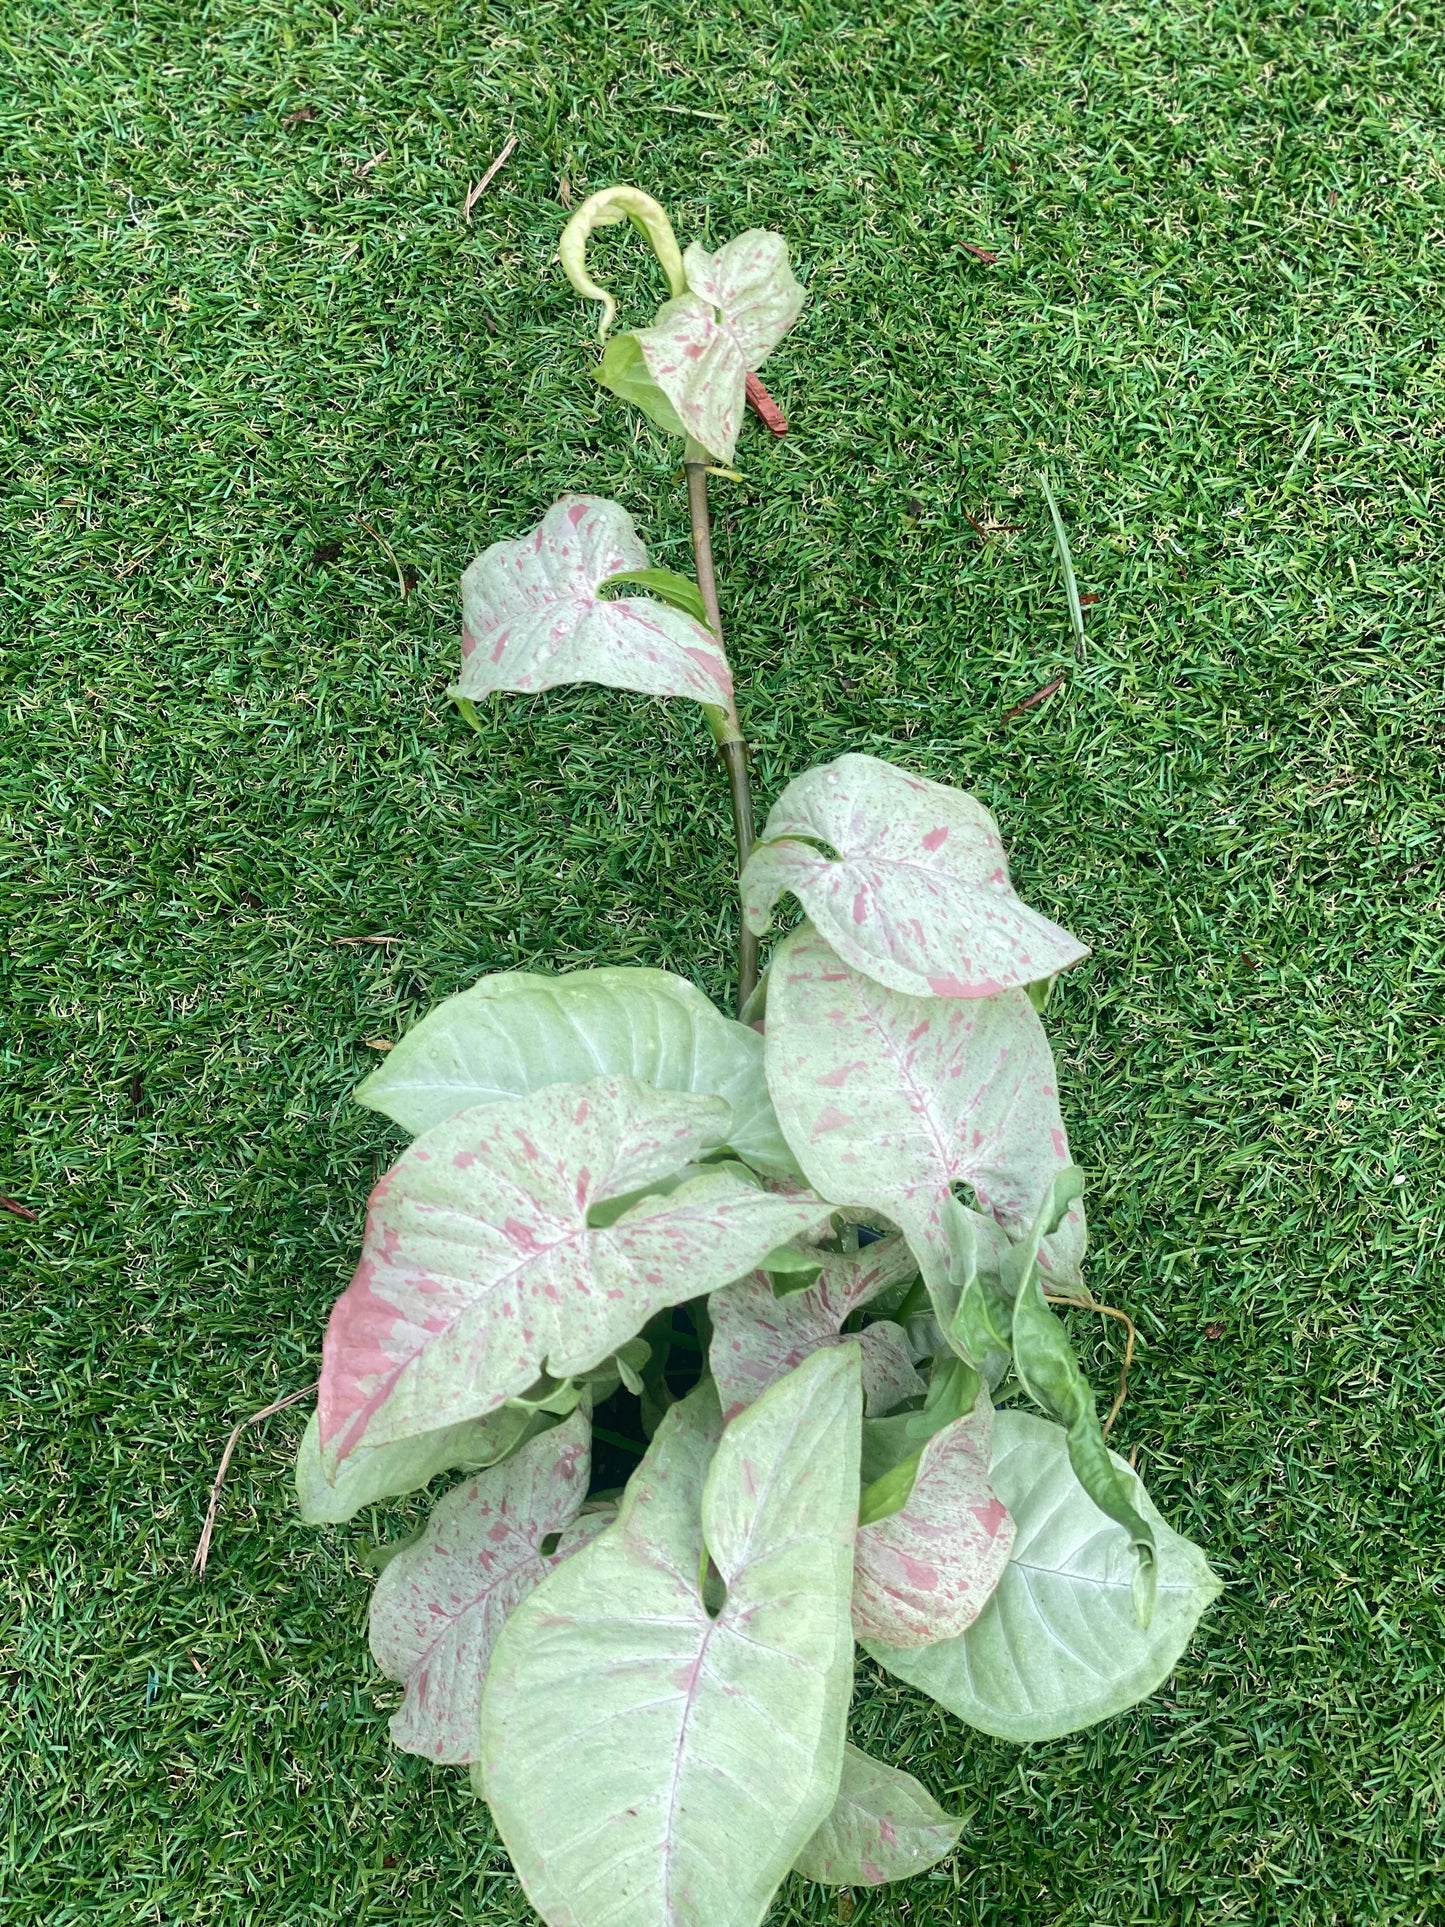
726 728
1131 1334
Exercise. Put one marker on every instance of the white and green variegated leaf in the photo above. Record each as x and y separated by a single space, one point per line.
889 1101
624 371
924 1572
916 893
1059 1645
441 1602
1014 1298
482 1267
654 1763
517 1032
532 615
702 345
884 1826
381 1472
758 1337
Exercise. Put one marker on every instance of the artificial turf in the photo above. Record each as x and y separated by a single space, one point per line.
244 317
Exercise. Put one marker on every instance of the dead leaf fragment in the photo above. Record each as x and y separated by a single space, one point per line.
764 407
378 1043
980 254
295 118
1049 689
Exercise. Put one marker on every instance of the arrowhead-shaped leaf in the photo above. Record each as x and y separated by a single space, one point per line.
532 615
516 1032
884 1826
758 1337
703 345
925 1572
440 1604
654 1764
480 1268
373 1474
1058 1646
918 895
888 1101
1047 1369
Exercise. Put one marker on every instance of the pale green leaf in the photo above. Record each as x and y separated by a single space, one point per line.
678 590
912 887
650 1764
381 1472
439 1605
532 616
889 1101
623 370
884 1826
1049 1373
1059 1645
480 1269
517 1032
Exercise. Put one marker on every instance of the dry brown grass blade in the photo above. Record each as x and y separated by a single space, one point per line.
1131 1335
203 1549
475 194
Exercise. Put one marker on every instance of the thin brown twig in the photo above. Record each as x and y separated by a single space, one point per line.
475 194
983 530
1131 1330
203 1549
1049 689
377 536
366 166
19 1210
985 255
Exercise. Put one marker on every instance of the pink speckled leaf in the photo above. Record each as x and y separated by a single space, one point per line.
926 1571
703 345
480 1270
758 1337
888 1101
440 1604
658 1749
532 616
884 1826
918 896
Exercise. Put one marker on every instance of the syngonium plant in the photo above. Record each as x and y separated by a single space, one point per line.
801 1266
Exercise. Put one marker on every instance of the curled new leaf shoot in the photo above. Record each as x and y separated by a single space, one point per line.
604 209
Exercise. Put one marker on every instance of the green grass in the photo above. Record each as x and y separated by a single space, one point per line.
1215 323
